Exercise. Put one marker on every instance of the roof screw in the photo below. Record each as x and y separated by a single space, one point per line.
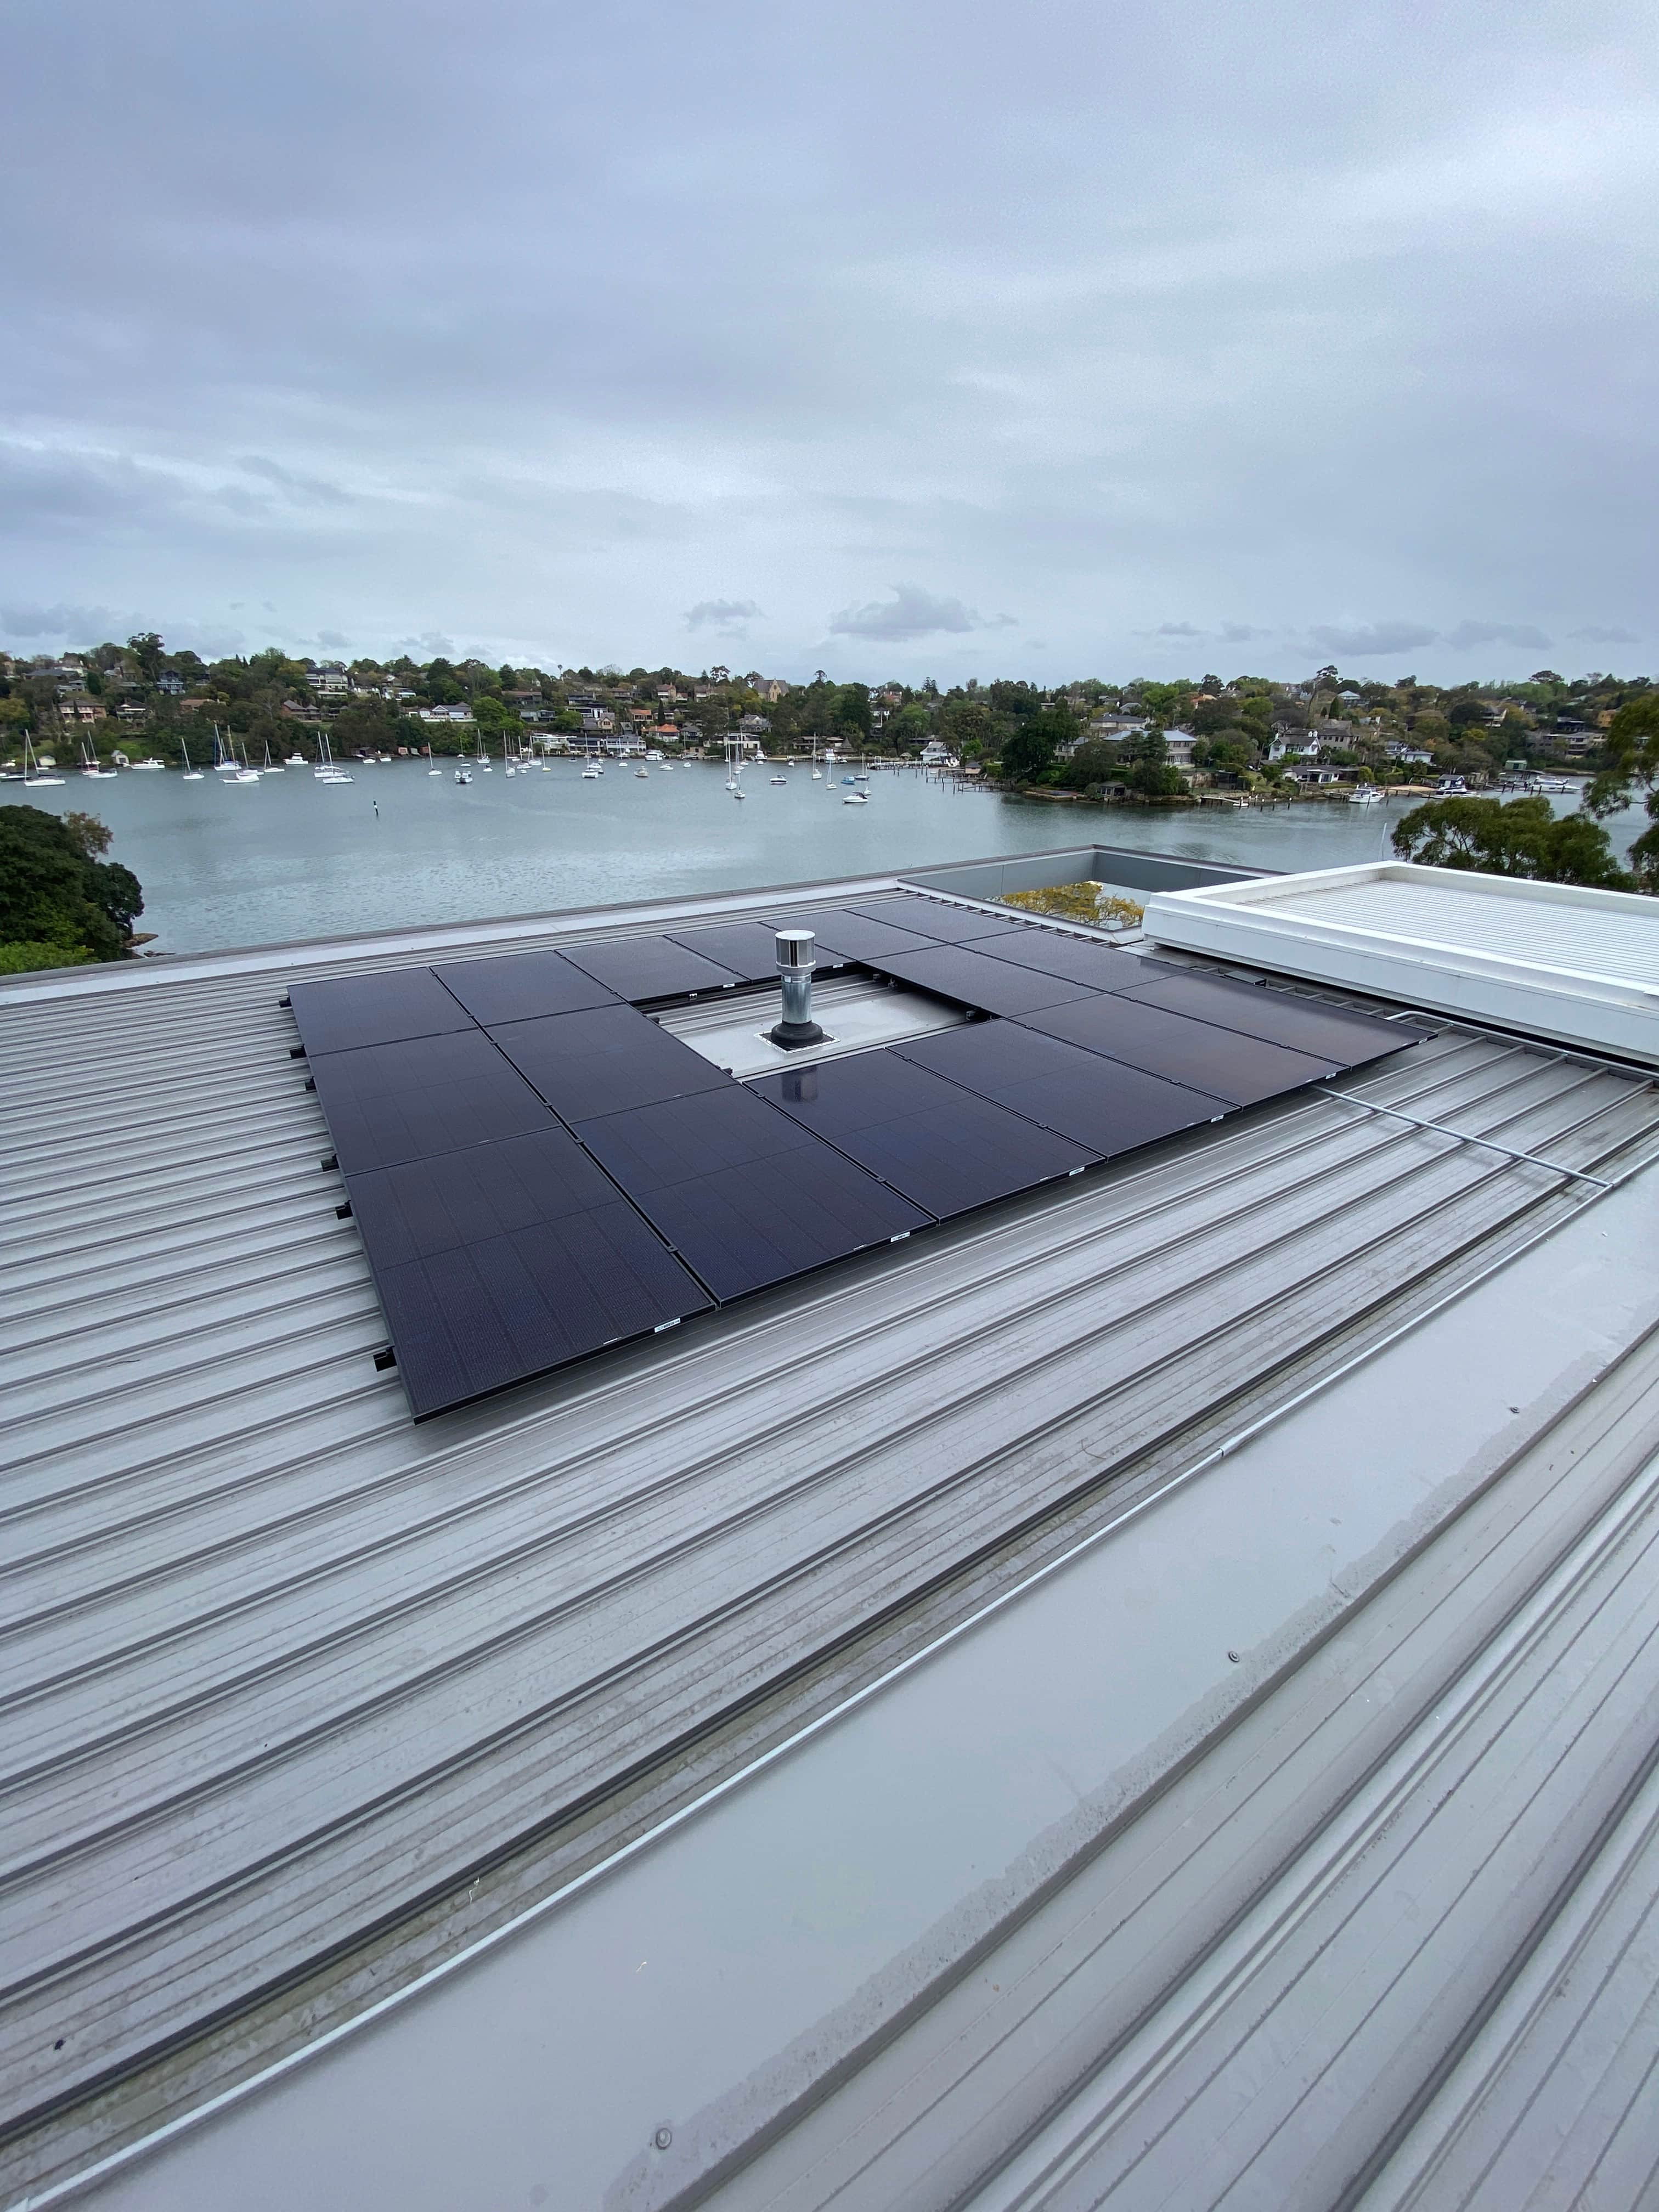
1233 1655
663 2137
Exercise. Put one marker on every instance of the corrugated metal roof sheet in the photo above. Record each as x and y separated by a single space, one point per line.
286 1678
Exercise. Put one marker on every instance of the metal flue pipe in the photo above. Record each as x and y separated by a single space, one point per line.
796 960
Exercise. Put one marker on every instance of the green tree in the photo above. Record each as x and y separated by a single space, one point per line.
909 729
1028 752
55 890
147 651
1519 838
1631 752
1151 775
849 714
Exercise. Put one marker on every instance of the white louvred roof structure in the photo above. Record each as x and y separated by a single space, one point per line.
1553 960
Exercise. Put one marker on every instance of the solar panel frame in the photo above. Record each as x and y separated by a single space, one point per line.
854 937
476 1318
417 1097
748 1228
1102 967
973 979
1349 1037
603 1061
343 1013
945 1147
523 987
1102 1104
646 1147
748 948
1242 1070
422 1207
643 968
946 925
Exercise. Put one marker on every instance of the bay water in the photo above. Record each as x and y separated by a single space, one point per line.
224 863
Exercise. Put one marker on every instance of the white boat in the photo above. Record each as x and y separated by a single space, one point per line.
778 779
90 763
641 776
855 799
326 770
296 760
191 775
1367 795
463 775
591 775
150 768
434 771
32 772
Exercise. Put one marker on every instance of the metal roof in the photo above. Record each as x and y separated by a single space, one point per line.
301 1701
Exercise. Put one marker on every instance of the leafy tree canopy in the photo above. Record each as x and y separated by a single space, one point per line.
1632 769
55 889
1519 838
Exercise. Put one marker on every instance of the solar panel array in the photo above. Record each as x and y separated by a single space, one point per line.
538 1169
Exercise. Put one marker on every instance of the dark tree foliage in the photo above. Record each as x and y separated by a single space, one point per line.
1522 838
1028 752
54 889
1632 769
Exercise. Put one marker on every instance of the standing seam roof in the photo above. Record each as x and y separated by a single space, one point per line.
279 1667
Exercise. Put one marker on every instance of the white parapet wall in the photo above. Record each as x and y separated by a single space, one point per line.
1553 960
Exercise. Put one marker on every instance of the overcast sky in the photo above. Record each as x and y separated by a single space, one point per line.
914 339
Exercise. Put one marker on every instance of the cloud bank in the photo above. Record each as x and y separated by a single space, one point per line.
1360 313
912 613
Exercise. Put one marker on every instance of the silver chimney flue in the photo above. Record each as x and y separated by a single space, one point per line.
796 962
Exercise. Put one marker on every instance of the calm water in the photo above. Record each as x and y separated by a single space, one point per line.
226 864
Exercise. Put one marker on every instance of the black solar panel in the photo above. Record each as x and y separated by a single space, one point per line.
1096 1102
939 1144
387 1102
422 1207
996 987
1240 1069
748 948
743 1227
651 968
604 1061
503 1247
349 1010
1327 1032
475 1318
930 918
522 987
680 1137
855 936
1049 953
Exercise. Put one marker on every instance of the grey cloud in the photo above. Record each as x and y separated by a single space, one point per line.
720 614
1594 634
296 485
332 640
1176 629
90 625
911 612
1131 358
1373 638
1469 634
